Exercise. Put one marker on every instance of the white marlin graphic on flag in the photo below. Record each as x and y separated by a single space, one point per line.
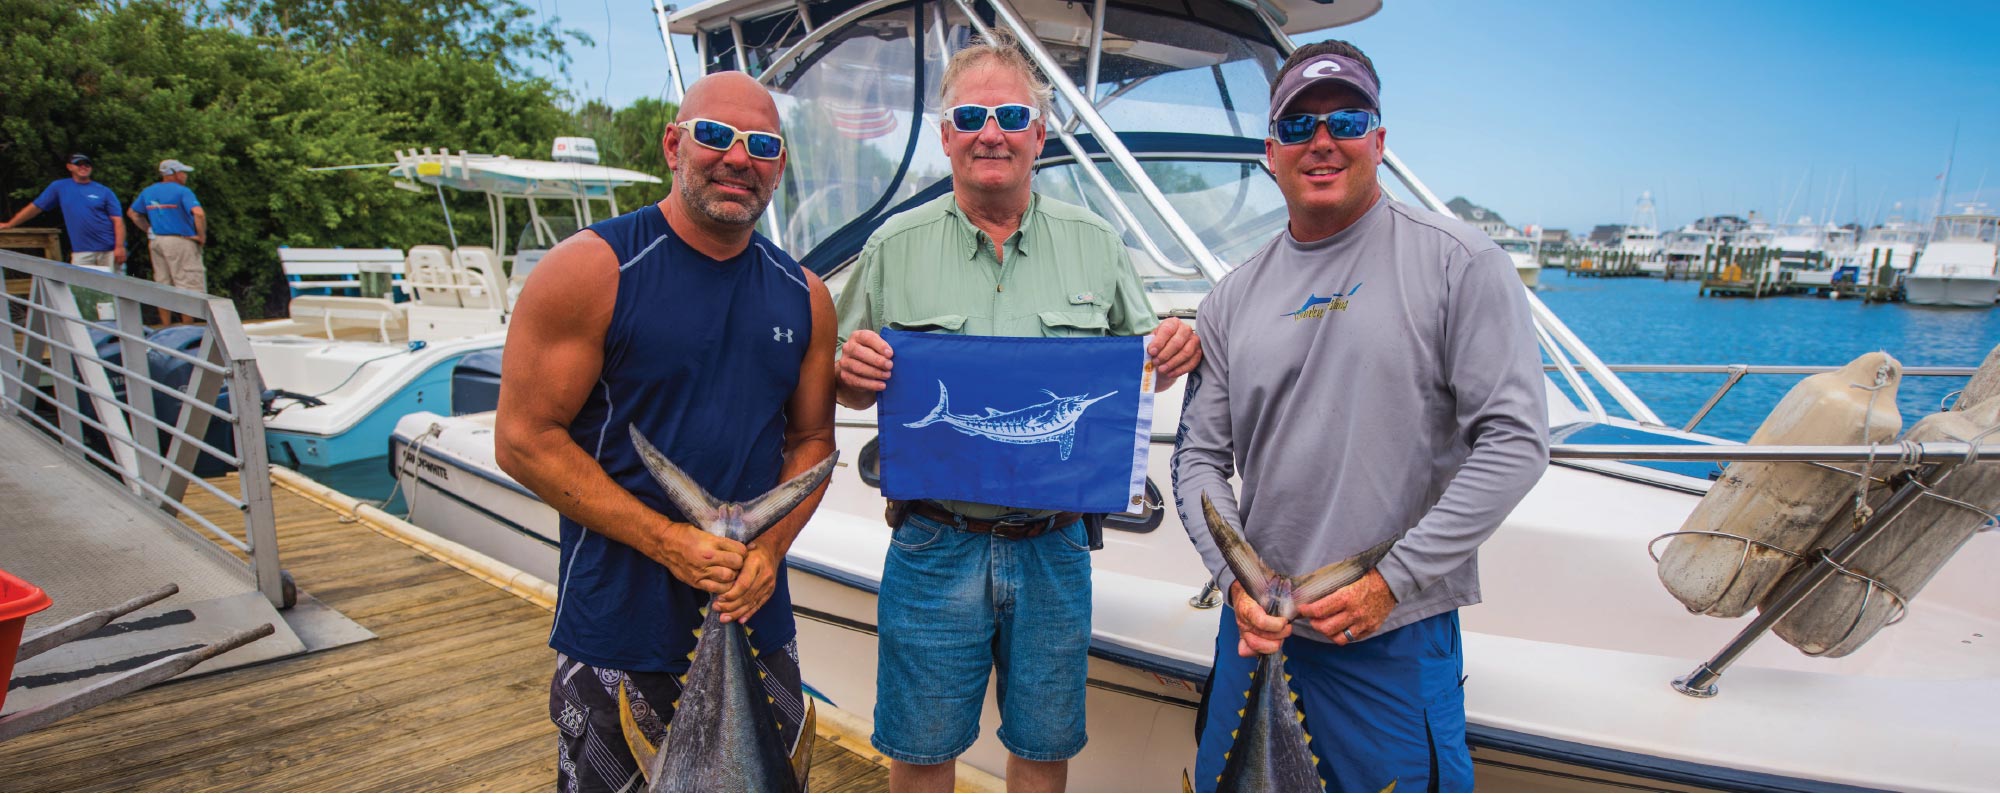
1054 420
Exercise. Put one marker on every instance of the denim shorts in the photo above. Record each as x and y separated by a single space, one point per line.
1384 713
958 606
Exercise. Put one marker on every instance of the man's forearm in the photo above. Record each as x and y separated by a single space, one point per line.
200 225
857 399
26 212
550 464
807 453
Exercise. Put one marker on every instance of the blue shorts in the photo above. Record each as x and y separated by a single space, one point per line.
958 606
1386 710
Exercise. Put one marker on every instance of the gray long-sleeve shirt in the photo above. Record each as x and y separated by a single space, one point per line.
1383 381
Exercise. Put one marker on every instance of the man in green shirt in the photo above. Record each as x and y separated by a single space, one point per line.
973 589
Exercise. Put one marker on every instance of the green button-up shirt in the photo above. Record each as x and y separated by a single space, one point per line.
929 269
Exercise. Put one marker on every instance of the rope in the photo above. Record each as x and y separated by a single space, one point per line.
1862 511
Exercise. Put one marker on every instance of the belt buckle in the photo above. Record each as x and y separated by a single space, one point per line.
1019 527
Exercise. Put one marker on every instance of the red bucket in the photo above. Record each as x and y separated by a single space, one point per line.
18 600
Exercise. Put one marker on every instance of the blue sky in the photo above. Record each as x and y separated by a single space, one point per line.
1560 113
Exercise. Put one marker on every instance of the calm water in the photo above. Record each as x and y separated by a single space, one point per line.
1648 321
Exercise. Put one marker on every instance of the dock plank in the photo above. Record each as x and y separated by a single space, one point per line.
451 696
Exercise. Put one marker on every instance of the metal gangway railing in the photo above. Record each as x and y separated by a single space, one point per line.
110 413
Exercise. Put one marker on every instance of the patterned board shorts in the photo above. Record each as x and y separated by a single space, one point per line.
602 745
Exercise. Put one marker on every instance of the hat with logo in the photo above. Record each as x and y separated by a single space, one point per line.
171 167
1318 69
79 159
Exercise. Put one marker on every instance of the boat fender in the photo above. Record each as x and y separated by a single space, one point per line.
1759 517
1845 611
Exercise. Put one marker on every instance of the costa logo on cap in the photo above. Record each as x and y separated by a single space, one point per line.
1321 69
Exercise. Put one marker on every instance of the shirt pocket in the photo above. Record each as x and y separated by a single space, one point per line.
943 324
1084 321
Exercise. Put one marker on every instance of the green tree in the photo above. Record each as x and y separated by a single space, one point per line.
253 93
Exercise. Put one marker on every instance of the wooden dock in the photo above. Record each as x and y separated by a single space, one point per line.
452 696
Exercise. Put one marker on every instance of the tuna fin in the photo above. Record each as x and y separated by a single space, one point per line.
1243 561
1187 785
1323 582
635 739
992 411
1392 786
1068 440
937 414
760 513
682 490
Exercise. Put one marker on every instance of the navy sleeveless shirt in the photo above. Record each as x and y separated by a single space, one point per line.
701 356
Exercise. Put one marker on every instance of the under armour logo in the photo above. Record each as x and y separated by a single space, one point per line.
1322 69
781 334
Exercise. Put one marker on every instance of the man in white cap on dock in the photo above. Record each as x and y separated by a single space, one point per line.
176 230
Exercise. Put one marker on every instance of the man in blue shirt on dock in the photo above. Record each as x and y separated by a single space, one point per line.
176 230
90 213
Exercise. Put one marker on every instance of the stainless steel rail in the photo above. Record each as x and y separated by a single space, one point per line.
49 362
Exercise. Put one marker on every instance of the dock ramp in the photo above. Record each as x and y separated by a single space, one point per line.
96 458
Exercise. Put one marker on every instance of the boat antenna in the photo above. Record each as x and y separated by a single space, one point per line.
675 89
1785 217
1944 179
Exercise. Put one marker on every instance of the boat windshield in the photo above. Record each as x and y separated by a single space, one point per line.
1514 246
860 104
1234 206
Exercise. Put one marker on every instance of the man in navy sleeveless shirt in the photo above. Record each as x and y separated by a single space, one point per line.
681 321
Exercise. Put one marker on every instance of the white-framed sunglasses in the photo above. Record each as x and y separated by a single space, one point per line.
1012 117
719 136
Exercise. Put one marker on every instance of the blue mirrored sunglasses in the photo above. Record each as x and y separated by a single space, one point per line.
719 136
1343 124
1011 118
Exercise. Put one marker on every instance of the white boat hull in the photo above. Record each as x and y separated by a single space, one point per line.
1568 660
1966 291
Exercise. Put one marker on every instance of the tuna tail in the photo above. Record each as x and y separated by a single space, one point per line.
1323 582
1250 570
761 513
937 414
707 512
703 510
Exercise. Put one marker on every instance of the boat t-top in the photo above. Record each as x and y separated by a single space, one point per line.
345 365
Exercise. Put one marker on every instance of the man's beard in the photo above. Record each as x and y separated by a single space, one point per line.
700 193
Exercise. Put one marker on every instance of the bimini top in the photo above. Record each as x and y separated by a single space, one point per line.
511 177
1294 16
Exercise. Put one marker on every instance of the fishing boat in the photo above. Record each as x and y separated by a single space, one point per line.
1641 237
1526 255
344 367
1957 267
1159 129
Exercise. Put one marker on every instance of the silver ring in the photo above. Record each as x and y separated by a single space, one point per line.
1348 633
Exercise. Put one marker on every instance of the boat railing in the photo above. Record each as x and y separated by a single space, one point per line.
1735 373
116 416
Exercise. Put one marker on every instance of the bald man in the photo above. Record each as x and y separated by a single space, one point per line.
680 321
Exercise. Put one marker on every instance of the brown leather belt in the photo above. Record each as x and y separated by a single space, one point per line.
1010 529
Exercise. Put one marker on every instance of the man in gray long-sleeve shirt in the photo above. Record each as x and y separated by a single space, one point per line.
1374 375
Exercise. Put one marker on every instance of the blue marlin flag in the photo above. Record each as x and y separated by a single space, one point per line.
1045 424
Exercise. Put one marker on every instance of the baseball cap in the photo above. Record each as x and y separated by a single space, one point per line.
79 159
1321 68
171 167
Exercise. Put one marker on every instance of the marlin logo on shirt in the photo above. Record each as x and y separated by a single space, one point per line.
1316 307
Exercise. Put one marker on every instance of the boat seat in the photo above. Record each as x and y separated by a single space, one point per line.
329 271
334 313
480 282
431 275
